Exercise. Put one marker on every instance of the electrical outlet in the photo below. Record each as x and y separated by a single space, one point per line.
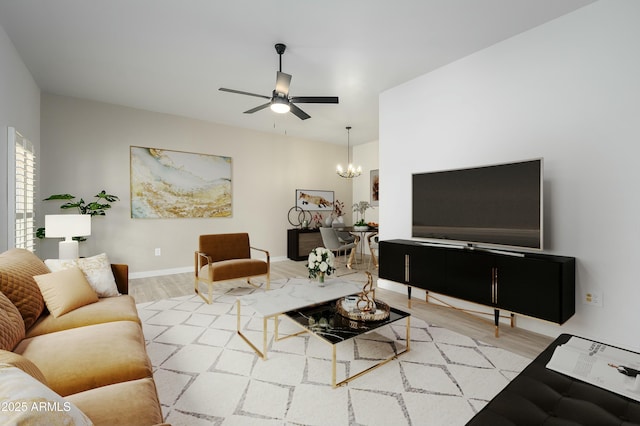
158 252
593 298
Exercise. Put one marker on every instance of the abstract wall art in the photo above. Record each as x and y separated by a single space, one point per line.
177 184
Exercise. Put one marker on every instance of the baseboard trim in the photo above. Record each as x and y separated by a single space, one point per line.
180 270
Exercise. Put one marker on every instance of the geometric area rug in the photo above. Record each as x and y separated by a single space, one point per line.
207 375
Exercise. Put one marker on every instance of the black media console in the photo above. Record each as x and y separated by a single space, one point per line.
537 285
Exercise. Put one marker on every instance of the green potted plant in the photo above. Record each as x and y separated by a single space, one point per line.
93 208
360 208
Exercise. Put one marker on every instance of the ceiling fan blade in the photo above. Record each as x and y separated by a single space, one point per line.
240 92
282 83
315 99
298 112
258 108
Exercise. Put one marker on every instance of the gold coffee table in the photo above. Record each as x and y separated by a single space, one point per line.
295 295
326 323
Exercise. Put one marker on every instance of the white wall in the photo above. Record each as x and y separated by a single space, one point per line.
86 144
366 156
19 108
567 91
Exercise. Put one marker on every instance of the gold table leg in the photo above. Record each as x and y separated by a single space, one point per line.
262 354
333 366
373 367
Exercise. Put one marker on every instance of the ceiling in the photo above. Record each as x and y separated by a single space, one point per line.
171 56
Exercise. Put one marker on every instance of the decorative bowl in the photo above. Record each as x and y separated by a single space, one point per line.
360 228
347 309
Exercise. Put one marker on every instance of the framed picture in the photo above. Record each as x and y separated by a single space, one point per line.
309 199
177 184
374 185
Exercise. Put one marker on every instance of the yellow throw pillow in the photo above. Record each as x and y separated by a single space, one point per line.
65 290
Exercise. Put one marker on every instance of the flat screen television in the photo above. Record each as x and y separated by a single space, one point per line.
497 205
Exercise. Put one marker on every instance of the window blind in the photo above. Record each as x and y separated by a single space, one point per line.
22 200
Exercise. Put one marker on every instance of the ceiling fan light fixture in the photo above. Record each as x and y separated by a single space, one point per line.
280 102
280 105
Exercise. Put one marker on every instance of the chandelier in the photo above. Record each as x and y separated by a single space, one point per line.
351 171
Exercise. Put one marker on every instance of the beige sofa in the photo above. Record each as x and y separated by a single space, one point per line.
93 357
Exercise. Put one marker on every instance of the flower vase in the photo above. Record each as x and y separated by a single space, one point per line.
321 279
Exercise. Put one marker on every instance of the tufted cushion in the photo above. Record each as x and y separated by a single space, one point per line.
11 324
17 268
539 396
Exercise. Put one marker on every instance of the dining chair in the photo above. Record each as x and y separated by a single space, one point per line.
331 242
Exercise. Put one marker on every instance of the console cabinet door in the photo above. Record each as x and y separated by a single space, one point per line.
427 268
469 276
393 260
530 287
413 264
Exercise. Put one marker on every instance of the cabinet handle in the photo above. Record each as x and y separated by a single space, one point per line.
406 268
495 285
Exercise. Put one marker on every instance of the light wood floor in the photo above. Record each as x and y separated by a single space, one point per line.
516 340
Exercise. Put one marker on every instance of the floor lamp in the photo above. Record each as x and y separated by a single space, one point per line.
67 226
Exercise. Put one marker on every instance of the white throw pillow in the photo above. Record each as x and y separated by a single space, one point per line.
26 401
97 270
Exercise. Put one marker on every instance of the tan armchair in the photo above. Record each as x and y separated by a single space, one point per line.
223 257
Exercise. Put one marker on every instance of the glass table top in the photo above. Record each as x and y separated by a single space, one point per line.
325 321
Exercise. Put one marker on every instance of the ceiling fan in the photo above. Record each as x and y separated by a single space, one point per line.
280 101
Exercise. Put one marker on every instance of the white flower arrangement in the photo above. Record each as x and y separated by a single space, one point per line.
321 262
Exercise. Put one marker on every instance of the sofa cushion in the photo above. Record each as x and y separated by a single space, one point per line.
232 269
88 357
121 308
96 269
26 401
17 268
65 290
23 364
11 324
137 399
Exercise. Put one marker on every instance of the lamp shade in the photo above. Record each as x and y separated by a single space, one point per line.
67 225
